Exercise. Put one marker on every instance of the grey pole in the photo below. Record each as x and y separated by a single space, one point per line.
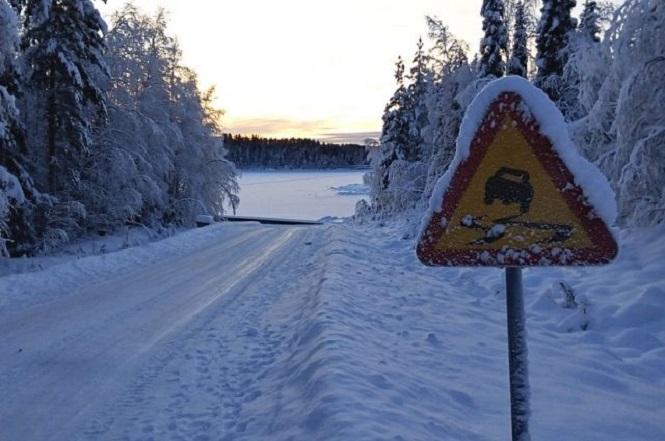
517 356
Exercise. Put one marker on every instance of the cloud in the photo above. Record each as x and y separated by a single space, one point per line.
349 137
323 130
277 127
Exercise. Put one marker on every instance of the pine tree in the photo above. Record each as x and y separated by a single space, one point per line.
589 27
552 37
519 56
586 65
405 114
394 135
394 131
62 47
494 44
11 139
17 192
419 77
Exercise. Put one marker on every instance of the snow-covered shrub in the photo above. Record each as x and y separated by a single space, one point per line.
363 212
11 195
447 103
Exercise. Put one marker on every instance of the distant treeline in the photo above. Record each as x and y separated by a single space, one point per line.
258 152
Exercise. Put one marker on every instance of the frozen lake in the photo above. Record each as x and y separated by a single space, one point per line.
301 194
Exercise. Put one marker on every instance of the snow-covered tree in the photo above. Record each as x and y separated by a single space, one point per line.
587 64
552 37
452 74
118 137
202 179
589 27
494 45
419 80
395 132
63 44
447 52
518 63
137 146
163 141
11 194
625 129
11 142
9 39
399 170
17 193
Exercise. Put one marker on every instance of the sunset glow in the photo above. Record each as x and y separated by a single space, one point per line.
302 68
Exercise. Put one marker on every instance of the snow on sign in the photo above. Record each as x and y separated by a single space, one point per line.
517 193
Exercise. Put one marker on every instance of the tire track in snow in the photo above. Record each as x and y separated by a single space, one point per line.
74 351
222 379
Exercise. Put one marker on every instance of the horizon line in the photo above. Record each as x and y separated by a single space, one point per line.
356 138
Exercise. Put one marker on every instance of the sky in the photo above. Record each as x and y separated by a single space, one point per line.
300 67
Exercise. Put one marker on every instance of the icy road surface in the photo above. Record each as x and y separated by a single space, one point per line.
334 333
202 327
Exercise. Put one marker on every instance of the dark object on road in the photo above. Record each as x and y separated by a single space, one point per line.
271 221
510 185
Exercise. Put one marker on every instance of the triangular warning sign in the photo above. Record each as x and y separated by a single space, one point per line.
512 201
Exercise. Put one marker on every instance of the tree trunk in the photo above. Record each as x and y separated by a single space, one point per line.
52 133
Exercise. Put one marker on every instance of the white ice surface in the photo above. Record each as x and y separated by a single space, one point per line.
311 195
334 332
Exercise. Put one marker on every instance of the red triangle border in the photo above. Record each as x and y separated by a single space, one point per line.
604 248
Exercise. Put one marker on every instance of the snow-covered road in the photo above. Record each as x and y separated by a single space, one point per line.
62 359
335 332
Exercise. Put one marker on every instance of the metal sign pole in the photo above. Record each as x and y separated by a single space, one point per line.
517 356
512 164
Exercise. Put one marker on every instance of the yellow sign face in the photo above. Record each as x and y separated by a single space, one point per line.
511 201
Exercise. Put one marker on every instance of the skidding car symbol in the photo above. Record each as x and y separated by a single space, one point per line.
510 185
